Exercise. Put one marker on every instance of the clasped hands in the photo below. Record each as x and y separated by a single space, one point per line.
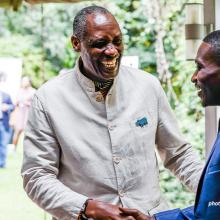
103 211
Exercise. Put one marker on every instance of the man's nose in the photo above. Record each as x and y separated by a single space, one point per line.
194 77
111 50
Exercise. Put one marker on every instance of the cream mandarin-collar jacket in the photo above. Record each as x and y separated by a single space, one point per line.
79 146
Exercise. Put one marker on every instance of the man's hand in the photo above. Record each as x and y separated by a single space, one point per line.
98 210
136 214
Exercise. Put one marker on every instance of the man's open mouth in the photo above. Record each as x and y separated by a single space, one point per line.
199 89
110 64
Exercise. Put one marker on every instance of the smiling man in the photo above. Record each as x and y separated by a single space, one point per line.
101 49
92 132
207 79
208 68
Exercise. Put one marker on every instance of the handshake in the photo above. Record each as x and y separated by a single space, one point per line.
100 210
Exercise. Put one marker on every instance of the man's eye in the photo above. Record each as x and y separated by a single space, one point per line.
99 44
117 41
198 66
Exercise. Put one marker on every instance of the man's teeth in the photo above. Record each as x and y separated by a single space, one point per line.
109 64
199 89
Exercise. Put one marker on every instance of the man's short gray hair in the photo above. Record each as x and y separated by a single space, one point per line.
80 20
213 39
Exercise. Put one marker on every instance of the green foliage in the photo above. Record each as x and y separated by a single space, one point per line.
138 35
44 38
13 195
44 44
177 195
32 61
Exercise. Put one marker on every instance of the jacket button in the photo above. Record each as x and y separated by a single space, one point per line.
121 193
111 127
116 159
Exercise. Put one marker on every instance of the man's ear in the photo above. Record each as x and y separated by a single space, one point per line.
75 43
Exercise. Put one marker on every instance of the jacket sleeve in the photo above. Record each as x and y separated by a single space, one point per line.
40 169
176 214
177 155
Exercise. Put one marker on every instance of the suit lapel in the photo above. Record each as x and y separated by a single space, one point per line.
203 174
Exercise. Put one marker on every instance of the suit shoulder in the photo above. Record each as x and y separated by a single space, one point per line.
56 83
137 75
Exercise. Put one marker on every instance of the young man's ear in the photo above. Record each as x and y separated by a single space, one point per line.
75 43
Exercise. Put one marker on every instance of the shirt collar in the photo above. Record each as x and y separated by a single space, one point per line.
87 83
83 80
219 125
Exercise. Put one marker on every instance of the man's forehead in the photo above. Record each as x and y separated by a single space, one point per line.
205 52
99 19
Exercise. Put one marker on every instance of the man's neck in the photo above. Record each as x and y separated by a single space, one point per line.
100 85
88 75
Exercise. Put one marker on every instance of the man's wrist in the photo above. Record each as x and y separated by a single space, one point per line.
82 214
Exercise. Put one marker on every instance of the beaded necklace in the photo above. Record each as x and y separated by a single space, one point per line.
103 87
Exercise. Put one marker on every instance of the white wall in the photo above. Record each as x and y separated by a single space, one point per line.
12 67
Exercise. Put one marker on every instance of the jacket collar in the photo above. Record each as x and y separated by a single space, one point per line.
87 83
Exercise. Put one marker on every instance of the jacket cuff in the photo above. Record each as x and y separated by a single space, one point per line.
188 212
168 215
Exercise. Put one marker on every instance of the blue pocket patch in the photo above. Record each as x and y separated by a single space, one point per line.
141 122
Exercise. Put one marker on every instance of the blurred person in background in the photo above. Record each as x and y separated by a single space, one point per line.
6 107
23 102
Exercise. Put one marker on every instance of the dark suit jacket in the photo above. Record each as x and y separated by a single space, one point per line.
207 203
5 115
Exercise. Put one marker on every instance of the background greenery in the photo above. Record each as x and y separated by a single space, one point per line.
14 204
41 36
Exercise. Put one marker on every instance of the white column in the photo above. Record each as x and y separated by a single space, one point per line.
217 14
211 126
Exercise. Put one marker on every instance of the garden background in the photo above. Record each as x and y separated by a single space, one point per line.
152 29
